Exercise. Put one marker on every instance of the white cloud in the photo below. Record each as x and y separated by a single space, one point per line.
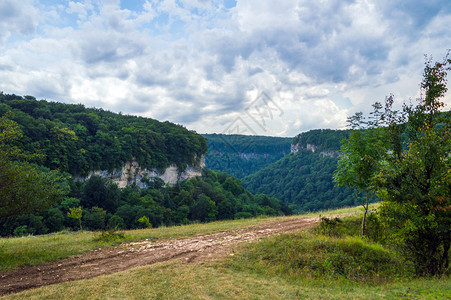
201 64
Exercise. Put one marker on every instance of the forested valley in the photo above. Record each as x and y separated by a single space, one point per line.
46 146
242 155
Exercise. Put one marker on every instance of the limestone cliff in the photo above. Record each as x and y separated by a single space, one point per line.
132 173
330 153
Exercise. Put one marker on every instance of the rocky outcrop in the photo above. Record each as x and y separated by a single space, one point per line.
330 153
132 173
296 147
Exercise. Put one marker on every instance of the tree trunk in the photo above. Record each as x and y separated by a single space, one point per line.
365 213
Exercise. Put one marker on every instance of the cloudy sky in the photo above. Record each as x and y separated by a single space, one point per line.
254 67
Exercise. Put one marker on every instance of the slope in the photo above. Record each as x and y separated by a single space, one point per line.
242 155
77 140
303 179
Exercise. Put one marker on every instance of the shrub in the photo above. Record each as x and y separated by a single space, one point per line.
21 231
304 255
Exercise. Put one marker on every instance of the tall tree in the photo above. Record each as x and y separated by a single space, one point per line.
360 158
24 188
416 183
412 173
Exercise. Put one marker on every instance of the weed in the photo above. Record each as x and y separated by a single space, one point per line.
305 255
110 236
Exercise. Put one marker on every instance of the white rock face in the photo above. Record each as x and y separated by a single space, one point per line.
132 173
330 153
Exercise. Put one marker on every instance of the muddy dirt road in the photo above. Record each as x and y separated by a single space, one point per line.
110 260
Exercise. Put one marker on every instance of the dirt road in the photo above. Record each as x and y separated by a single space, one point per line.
110 260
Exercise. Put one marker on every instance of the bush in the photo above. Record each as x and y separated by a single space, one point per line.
110 236
301 256
375 230
116 222
21 231
243 215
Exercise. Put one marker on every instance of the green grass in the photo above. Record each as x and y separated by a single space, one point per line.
35 250
305 255
304 265
177 280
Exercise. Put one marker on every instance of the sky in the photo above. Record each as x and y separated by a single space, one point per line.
251 67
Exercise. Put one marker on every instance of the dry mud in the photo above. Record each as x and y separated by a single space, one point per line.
111 260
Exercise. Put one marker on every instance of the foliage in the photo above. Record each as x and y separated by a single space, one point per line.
110 236
21 231
361 154
303 180
322 139
145 221
75 139
351 226
76 214
242 155
413 176
214 196
24 188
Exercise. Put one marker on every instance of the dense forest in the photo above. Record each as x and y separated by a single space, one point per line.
302 180
77 140
242 155
43 144
323 139
214 196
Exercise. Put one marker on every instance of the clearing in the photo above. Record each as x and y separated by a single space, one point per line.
129 255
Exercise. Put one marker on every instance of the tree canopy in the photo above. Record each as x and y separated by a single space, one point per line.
77 140
24 187
410 172
242 155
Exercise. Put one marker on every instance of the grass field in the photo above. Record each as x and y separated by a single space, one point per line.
35 250
296 266
176 280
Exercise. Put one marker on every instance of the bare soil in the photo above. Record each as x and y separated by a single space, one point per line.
115 259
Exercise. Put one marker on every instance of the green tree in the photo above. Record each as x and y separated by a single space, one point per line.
413 175
145 221
416 184
76 214
204 209
361 154
23 187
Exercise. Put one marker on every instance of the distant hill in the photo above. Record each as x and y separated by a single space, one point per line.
303 179
242 155
322 140
76 139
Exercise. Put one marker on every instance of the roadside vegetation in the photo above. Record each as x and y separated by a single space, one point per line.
330 261
35 250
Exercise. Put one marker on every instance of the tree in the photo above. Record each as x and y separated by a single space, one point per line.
412 175
360 159
24 188
76 214
204 209
416 183
101 193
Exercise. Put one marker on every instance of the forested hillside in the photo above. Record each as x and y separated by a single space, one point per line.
304 179
77 140
242 155
214 196
43 143
321 139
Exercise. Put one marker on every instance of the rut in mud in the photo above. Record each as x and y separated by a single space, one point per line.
110 260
